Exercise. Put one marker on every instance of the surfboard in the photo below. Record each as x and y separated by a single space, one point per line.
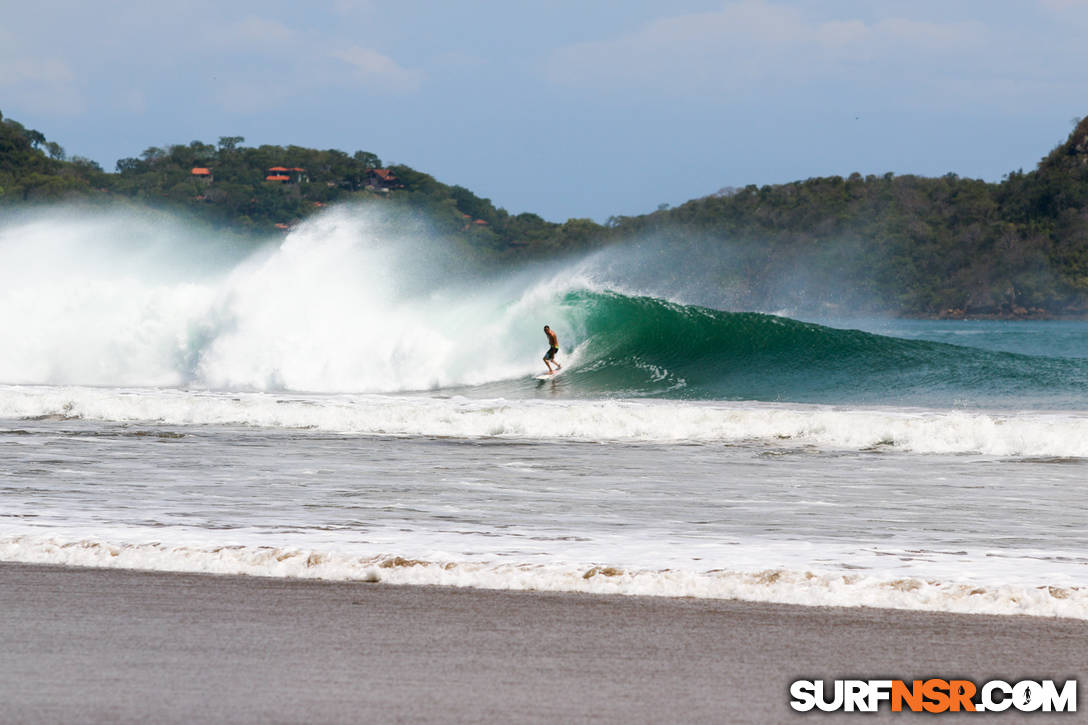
549 376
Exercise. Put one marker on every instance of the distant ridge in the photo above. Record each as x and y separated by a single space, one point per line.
906 245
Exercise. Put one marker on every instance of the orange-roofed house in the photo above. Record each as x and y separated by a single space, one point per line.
381 180
284 175
202 174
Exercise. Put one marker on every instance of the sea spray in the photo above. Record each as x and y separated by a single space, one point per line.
357 299
102 299
355 401
363 300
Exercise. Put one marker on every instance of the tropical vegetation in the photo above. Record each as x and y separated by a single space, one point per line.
904 244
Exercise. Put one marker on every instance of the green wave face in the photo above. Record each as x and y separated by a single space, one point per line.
651 347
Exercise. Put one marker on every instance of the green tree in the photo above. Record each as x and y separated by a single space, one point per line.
230 143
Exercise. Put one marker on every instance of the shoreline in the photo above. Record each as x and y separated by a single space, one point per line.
965 316
798 587
112 645
1031 316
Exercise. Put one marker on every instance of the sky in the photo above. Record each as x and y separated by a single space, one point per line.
570 108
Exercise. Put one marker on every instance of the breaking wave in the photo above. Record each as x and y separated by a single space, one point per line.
360 301
1020 434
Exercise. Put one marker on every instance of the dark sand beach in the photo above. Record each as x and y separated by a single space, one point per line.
110 646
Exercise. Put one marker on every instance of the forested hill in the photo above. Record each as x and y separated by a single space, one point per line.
265 189
902 244
916 246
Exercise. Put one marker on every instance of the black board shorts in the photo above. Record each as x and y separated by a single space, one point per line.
550 354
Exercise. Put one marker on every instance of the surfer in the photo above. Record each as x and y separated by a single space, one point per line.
549 356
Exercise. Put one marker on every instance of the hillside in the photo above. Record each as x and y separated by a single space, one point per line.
907 245
259 190
944 246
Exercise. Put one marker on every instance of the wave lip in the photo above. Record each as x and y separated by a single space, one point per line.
1023 434
785 586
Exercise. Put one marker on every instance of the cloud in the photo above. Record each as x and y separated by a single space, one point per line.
132 100
352 7
458 61
1067 10
753 45
260 30
254 95
41 85
249 34
379 72
48 71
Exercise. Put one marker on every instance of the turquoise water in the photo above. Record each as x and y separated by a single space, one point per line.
343 404
637 346
1045 338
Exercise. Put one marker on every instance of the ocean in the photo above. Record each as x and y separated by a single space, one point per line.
357 401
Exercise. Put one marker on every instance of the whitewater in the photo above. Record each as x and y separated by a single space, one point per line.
356 401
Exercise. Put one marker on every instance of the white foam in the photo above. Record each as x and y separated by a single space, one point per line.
353 300
804 587
1022 434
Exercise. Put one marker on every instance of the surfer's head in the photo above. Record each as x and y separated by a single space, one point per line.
546 328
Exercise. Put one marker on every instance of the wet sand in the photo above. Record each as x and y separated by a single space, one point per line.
109 646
